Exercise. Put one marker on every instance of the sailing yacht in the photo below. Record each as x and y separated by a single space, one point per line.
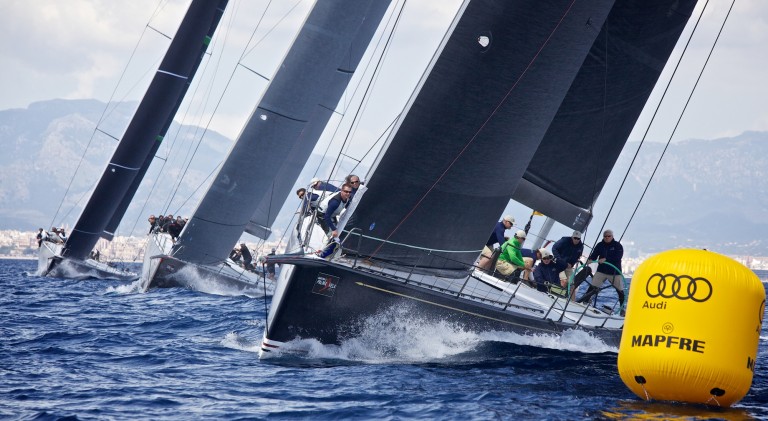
268 156
523 99
133 155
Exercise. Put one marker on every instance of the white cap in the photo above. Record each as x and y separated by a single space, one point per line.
545 253
576 234
520 234
313 181
509 219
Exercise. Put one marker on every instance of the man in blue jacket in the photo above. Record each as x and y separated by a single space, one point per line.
497 237
548 271
608 254
568 250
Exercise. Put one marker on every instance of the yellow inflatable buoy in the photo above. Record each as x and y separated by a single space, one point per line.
692 328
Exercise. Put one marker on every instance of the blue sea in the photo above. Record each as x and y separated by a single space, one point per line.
82 350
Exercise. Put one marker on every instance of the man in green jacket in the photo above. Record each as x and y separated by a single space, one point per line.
510 258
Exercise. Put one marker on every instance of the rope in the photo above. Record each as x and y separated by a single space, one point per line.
101 119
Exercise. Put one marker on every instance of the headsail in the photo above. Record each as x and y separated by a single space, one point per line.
283 128
157 107
592 125
471 128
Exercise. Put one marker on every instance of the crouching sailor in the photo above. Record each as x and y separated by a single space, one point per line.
331 208
511 259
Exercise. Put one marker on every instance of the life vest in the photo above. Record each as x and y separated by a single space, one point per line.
324 204
314 193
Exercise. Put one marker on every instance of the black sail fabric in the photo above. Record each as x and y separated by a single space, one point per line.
114 222
306 76
592 125
283 181
159 104
471 129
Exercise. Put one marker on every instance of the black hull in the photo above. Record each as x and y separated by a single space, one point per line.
330 302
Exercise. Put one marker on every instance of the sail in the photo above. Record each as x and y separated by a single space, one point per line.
592 125
471 128
117 216
277 132
284 179
159 103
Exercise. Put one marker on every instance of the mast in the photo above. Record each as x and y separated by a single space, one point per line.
147 126
272 148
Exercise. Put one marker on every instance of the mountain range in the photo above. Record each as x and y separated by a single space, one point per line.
705 193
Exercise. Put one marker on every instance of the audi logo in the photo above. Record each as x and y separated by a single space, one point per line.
681 287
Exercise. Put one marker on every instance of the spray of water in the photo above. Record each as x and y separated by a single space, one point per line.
398 335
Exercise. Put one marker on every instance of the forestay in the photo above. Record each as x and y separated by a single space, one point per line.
147 127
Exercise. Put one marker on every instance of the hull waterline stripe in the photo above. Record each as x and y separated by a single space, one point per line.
448 307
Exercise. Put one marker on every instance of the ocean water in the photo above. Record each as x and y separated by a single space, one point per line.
101 350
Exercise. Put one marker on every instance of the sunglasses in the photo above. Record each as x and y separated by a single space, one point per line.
607 236
546 258
354 182
346 191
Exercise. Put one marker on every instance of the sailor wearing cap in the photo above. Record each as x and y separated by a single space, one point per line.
547 272
497 237
568 250
510 258
320 185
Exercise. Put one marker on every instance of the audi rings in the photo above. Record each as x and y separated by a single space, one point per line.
682 287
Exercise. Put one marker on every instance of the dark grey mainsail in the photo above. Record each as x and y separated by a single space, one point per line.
283 127
592 125
159 104
283 180
471 129
114 222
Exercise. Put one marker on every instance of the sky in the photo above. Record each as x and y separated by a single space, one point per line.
79 48
103 49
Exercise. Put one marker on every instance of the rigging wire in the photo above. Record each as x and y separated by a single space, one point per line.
218 104
176 136
368 88
653 117
103 116
680 117
361 106
366 97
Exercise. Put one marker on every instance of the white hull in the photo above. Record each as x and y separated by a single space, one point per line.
50 263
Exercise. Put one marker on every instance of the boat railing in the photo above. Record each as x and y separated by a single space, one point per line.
430 273
426 273
428 261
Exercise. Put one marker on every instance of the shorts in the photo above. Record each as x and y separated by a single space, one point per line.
616 280
505 268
